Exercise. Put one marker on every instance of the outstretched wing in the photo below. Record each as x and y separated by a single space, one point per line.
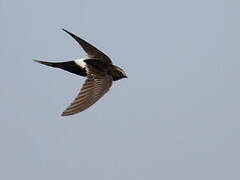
96 85
91 51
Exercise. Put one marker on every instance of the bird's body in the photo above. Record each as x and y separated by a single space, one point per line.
98 69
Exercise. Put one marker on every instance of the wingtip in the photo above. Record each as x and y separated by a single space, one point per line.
63 114
65 30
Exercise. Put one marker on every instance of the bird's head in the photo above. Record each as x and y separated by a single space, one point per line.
118 73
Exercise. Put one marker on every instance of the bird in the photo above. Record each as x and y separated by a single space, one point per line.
98 70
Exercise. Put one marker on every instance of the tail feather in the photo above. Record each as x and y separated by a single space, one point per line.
52 64
69 66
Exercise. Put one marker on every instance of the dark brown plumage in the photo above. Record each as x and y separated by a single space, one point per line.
100 73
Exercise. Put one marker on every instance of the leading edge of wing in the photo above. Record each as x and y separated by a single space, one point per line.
95 86
87 47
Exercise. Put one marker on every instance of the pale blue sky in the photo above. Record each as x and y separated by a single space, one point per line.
175 117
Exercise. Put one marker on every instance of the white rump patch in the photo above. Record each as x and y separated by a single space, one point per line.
81 63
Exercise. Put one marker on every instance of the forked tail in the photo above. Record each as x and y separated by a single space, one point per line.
52 64
69 66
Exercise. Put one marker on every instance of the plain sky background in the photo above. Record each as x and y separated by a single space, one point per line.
175 117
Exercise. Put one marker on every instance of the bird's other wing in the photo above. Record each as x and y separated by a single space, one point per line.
96 85
91 51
